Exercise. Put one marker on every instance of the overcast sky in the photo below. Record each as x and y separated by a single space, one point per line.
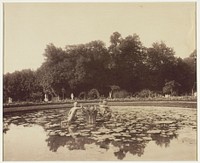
28 28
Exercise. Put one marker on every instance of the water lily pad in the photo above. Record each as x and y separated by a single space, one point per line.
77 134
133 132
154 132
68 135
73 125
147 138
104 130
126 135
172 125
118 124
52 133
172 129
163 135
144 128
118 130
57 131
141 135
139 139
16 117
139 125
170 133
139 130
85 130
117 140
110 125
128 124
140 119
116 134
54 125
133 121
164 122
85 134
126 142
96 132
134 139
103 137
62 134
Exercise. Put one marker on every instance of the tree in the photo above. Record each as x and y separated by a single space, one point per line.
191 62
77 68
53 55
184 76
126 63
52 73
161 63
127 56
90 63
96 66
21 86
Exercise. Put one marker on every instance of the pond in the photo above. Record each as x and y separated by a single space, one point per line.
133 133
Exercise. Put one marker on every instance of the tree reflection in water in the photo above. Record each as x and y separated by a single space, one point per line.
128 130
78 143
135 148
163 141
54 142
120 154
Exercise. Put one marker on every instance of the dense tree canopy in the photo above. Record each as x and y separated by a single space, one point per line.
22 86
127 61
126 64
161 63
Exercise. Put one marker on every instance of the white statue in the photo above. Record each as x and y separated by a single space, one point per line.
72 96
45 98
9 100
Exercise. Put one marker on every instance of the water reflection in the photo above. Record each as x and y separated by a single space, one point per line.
129 130
54 142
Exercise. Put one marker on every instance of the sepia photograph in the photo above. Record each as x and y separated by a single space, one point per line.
99 81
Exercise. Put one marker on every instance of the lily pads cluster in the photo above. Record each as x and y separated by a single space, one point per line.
128 130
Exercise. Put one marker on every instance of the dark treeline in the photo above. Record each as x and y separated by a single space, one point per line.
126 66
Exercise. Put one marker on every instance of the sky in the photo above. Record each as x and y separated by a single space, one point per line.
29 27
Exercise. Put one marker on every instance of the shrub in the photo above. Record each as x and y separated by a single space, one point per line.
93 94
82 95
36 96
120 94
145 93
171 87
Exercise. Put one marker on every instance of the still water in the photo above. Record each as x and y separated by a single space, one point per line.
133 133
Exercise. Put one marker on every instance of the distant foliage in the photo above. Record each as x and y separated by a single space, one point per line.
21 86
125 63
